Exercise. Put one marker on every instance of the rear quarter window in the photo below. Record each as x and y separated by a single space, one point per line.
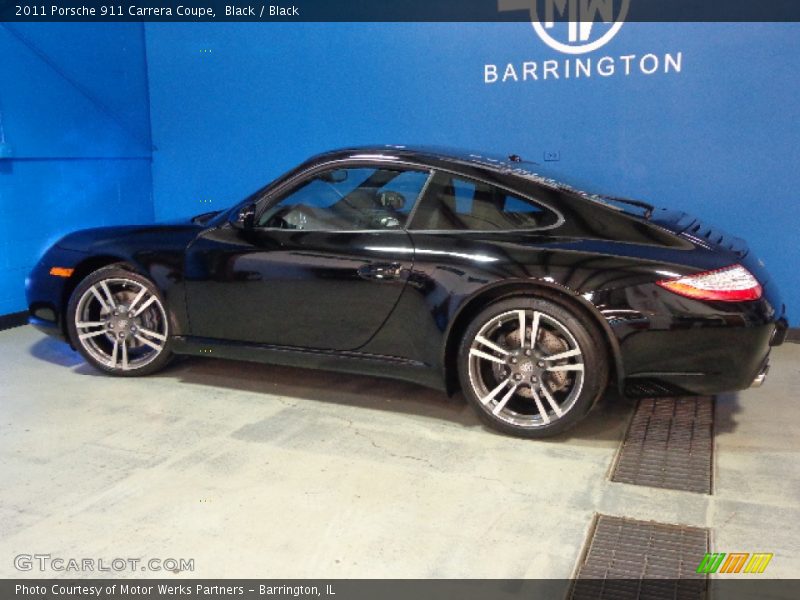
455 203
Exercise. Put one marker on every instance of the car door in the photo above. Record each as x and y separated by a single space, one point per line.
322 265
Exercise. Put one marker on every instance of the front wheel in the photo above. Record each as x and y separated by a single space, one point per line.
531 367
116 319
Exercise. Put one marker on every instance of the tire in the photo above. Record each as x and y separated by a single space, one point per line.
117 320
519 388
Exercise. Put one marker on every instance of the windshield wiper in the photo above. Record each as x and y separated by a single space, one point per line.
648 208
205 217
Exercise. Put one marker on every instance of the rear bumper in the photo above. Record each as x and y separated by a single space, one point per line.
781 331
695 348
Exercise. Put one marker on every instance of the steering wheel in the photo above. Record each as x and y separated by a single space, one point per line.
278 220
392 201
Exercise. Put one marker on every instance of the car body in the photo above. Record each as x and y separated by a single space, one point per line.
387 283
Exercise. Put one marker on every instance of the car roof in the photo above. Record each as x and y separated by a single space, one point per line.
444 156
511 166
428 154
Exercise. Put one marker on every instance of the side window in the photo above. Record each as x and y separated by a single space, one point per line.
348 199
457 204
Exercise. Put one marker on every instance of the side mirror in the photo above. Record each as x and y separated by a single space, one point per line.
246 219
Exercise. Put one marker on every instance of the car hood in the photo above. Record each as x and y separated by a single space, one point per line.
142 236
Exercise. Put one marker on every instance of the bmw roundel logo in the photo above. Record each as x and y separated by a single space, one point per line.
573 26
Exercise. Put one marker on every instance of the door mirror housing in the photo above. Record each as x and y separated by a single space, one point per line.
245 218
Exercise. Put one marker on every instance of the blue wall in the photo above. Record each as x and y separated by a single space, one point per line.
234 105
74 111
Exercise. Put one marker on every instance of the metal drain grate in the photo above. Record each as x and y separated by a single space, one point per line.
669 444
639 560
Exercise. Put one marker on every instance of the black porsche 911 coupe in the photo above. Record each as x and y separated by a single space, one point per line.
441 267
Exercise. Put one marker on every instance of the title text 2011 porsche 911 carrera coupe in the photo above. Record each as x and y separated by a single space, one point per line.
441 267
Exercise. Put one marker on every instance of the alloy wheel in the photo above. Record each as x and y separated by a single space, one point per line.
121 323
526 368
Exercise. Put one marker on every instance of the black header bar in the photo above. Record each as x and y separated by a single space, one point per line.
401 10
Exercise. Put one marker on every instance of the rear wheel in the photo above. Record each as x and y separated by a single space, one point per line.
116 319
532 367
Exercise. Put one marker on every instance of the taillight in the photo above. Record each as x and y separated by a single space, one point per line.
731 284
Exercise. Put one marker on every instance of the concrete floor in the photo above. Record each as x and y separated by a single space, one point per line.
253 470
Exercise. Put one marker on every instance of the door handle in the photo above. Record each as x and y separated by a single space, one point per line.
381 271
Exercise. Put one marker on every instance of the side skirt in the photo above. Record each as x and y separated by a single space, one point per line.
359 363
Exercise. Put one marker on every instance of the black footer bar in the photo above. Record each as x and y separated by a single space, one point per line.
746 587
